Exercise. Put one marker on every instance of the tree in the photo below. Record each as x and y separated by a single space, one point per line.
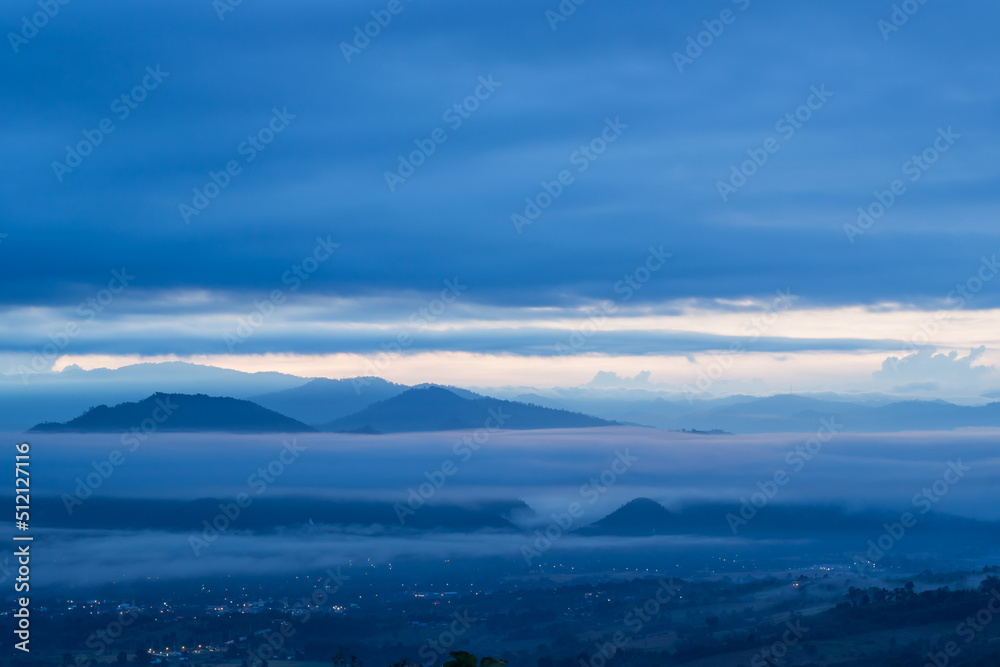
341 660
464 659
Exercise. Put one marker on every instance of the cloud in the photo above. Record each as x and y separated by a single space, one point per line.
324 175
916 386
546 470
610 379
927 370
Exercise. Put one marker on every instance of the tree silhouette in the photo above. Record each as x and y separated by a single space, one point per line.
341 660
465 659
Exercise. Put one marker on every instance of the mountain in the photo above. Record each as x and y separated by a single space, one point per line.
27 398
638 517
789 413
781 413
180 412
322 400
458 391
434 408
544 401
267 514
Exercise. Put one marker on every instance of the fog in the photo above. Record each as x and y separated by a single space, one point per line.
74 478
546 469
90 558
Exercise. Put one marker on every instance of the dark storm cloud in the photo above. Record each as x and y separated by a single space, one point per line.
324 173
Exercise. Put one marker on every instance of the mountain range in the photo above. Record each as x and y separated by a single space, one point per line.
428 408
340 405
323 400
640 517
438 409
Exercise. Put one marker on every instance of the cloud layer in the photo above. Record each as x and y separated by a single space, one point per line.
281 143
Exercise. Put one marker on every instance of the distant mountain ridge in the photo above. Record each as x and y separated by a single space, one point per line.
269 513
791 413
60 396
779 413
179 413
322 400
434 408
63 396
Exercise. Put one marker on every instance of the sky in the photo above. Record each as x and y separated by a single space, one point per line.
774 197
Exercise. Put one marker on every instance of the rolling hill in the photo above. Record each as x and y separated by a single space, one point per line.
322 400
638 517
179 413
434 408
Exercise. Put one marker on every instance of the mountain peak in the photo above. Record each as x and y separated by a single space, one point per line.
436 408
641 516
180 413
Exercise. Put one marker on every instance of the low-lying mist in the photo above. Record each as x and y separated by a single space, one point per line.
113 508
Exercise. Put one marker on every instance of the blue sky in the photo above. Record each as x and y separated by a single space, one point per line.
343 126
